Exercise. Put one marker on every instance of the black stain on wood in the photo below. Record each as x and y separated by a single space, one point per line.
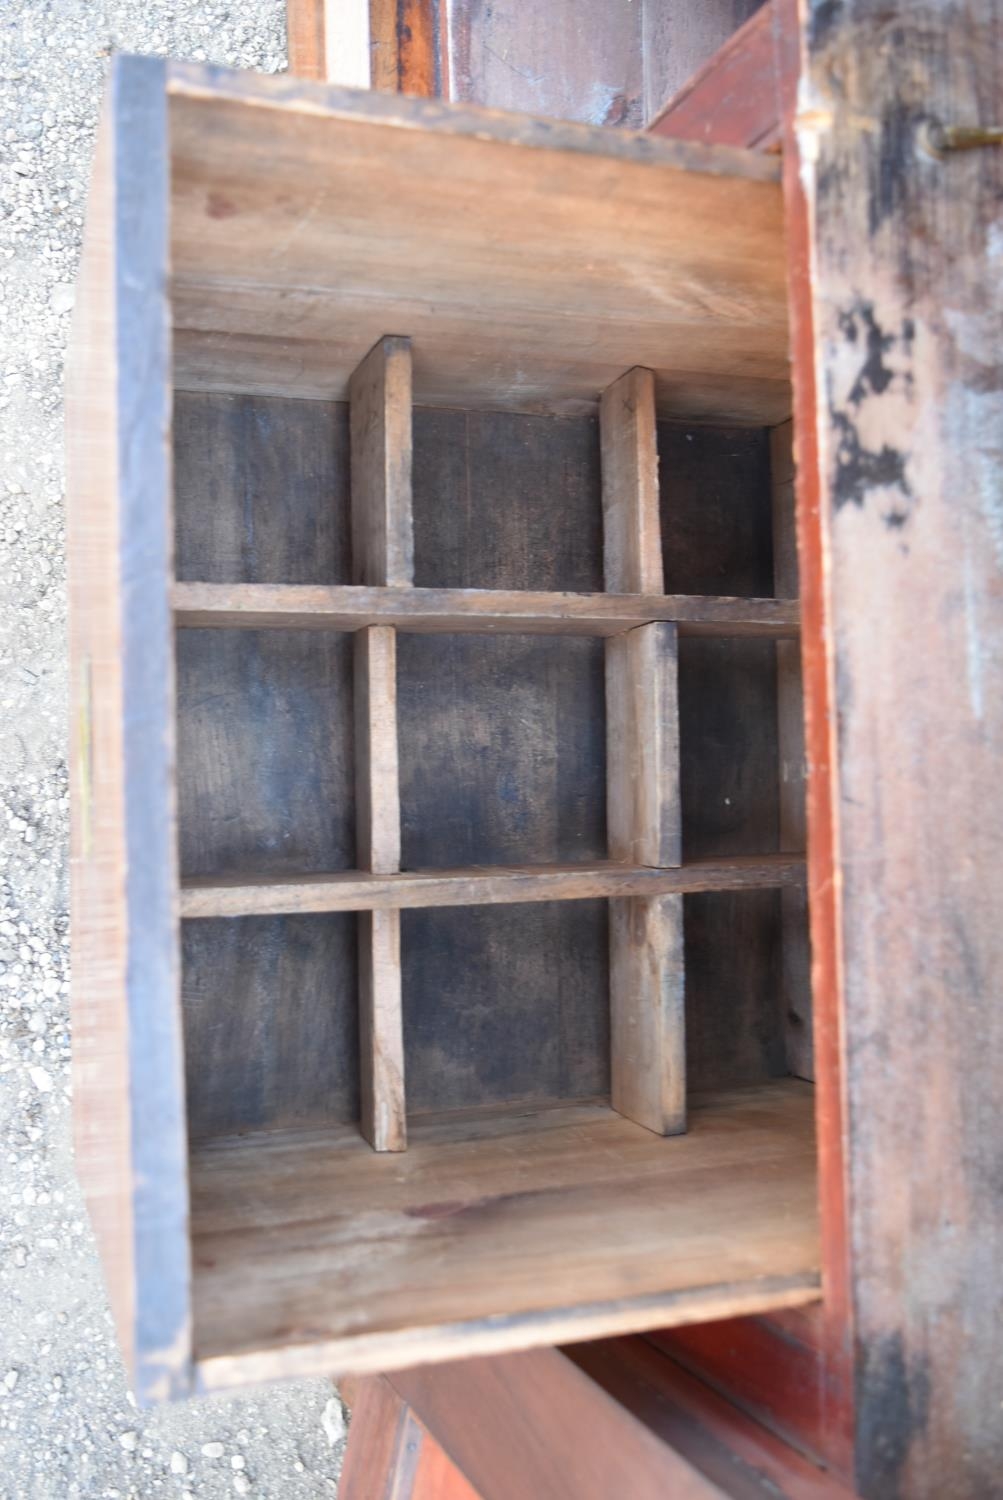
893 1397
860 470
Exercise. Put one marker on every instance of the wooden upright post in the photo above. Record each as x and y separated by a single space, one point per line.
642 768
382 554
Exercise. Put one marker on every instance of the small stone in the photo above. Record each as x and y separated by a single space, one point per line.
241 1484
20 1256
179 1464
63 297
10 1379
213 1450
128 1441
238 1461
332 1420
41 1079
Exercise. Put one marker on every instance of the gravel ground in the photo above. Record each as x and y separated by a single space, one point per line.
67 1423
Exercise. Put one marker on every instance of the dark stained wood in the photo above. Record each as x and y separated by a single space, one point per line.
271 1022
733 98
795 995
506 1003
906 316
771 1367
128 1079
406 45
747 1460
249 473
472 611
716 515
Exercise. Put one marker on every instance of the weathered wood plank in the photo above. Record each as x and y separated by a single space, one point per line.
128 1073
379 395
459 1256
536 303
632 550
383 554
355 891
642 747
900 496
647 999
648 1022
472 611
377 793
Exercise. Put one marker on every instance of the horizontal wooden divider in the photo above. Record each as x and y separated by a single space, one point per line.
276 606
354 890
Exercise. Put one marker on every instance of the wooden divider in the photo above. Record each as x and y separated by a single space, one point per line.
648 1083
382 553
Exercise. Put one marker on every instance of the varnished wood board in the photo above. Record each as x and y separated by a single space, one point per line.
309 221
239 896
275 606
312 1253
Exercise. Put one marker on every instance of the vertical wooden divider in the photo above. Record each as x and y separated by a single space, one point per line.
795 984
648 1056
382 554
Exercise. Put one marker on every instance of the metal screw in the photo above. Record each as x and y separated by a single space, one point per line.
941 138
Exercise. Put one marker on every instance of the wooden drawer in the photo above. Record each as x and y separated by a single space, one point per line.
425 747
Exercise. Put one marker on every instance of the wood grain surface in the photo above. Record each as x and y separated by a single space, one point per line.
460 1231
538 302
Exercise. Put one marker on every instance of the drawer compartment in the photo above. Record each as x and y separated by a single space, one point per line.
427 877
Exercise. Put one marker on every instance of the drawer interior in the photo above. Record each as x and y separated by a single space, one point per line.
351 1209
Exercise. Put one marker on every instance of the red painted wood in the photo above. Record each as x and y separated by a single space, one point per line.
733 100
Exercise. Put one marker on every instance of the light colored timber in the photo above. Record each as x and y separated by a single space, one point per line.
647 994
381 1039
647 979
276 606
312 1254
377 791
379 395
239 896
642 746
632 547
536 302
382 554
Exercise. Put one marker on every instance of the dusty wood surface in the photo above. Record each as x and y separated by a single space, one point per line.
287 297
907 320
733 99
239 895
461 1228
128 1090
471 611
